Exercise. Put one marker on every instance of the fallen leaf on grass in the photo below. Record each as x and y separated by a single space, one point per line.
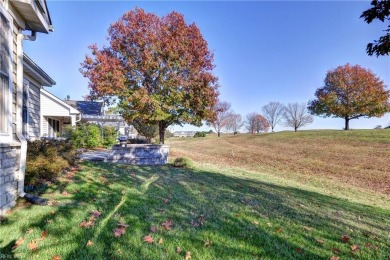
119 231
178 250
87 224
188 255
320 241
279 230
89 243
65 193
166 200
33 246
148 239
160 241
56 257
208 243
355 248
345 238
335 258
52 203
307 228
29 231
167 224
96 213
44 234
18 242
256 222
299 250
52 212
153 229
336 250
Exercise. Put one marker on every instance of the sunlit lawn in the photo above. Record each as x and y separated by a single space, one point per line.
199 213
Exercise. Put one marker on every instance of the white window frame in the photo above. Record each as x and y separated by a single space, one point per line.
6 134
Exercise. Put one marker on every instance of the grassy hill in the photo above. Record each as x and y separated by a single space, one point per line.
306 195
332 160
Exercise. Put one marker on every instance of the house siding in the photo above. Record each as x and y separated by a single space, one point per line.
34 112
10 152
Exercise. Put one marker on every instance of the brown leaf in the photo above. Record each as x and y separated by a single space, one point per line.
148 239
96 213
56 257
279 230
65 193
123 225
153 229
355 248
299 250
119 231
29 231
207 243
44 234
188 255
345 238
367 245
33 245
178 250
320 241
336 250
167 224
89 243
334 257
307 228
52 203
52 212
87 224
18 243
160 241
166 200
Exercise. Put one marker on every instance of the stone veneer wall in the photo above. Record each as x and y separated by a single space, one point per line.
139 154
9 167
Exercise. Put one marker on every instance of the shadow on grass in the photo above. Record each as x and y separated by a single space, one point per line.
214 216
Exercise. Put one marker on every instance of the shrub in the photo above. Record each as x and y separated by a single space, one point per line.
91 135
182 162
47 159
200 134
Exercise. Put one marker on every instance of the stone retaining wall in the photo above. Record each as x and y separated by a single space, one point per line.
9 167
139 154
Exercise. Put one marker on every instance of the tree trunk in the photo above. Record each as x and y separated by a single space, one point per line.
161 131
346 123
219 133
295 128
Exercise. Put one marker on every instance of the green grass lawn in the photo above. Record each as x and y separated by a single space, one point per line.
209 212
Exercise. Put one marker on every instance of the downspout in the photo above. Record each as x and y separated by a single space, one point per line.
19 102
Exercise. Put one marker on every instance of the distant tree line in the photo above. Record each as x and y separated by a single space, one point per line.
293 115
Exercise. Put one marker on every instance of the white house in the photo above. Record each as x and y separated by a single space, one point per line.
55 115
184 133
20 20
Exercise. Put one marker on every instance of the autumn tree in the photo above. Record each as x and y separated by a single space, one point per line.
221 119
296 115
235 122
351 92
256 123
273 113
380 10
158 69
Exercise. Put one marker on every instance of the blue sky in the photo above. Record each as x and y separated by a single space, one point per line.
264 51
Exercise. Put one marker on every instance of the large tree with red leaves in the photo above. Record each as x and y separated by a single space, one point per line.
158 69
351 92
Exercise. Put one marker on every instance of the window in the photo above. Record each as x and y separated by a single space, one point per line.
5 61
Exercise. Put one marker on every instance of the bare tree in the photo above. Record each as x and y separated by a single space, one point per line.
256 123
273 113
222 113
297 116
235 122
